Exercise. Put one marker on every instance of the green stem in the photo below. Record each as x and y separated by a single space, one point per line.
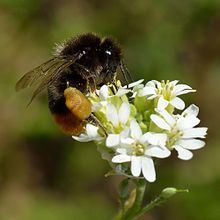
163 197
118 216
137 211
136 207
148 207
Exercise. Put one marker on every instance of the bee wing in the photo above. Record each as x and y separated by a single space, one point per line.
42 75
44 71
50 76
35 75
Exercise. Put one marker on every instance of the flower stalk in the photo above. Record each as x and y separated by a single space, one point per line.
163 197
133 207
139 196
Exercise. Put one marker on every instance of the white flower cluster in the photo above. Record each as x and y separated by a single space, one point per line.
139 123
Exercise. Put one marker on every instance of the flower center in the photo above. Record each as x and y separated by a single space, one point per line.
166 89
175 135
138 149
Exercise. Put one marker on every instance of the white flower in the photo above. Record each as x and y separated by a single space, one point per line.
103 95
129 138
103 92
118 117
139 148
91 134
181 132
166 92
114 140
132 87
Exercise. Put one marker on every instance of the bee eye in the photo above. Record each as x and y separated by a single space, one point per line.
108 52
86 50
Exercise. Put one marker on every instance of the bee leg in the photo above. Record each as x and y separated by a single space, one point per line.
113 85
88 76
126 74
77 103
84 72
91 84
94 120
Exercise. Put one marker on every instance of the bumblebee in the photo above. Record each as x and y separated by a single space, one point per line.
79 65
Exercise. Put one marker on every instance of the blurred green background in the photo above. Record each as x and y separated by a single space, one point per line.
46 175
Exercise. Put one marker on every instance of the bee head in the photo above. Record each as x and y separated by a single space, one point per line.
110 50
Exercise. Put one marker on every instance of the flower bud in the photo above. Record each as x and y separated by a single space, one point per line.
168 192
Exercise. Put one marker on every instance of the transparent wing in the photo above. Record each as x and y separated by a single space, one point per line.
44 74
44 71
51 75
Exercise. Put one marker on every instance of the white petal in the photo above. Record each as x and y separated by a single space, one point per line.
155 83
195 133
82 138
186 91
152 97
121 158
159 122
180 88
162 103
136 132
135 166
148 169
96 106
188 122
122 91
125 132
121 150
158 139
112 114
152 83
138 87
157 152
192 110
103 92
112 140
178 103
174 82
168 117
147 90
134 95
191 144
92 130
127 141
127 144
144 139
135 83
124 112
183 154
90 135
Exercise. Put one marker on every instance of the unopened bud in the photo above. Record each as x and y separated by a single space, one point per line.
168 192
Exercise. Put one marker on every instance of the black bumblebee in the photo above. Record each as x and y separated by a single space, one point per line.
79 65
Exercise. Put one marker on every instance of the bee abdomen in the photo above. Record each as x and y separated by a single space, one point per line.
69 123
78 109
